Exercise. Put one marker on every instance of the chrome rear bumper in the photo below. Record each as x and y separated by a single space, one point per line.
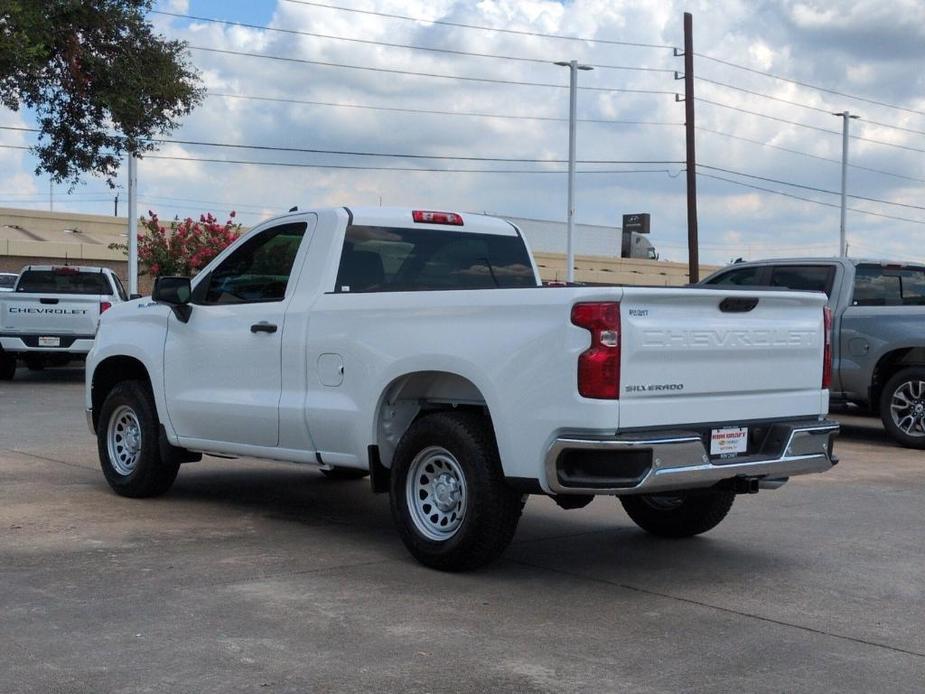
668 461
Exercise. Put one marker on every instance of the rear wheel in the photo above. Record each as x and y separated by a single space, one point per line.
450 503
345 473
902 407
7 366
127 439
681 514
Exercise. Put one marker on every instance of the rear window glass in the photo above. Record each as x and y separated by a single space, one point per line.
379 259
743 277
875 285
7 281
63 281
805 278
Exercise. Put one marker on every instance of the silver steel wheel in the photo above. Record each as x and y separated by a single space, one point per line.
123 440
907 408
663 502
435 491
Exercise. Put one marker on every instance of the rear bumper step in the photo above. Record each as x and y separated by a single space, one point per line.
644 463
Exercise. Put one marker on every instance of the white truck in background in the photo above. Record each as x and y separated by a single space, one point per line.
419 348
51 316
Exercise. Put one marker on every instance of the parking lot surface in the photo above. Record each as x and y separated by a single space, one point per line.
256 576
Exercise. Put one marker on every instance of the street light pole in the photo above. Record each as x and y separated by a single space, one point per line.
574 67
843 234
132 224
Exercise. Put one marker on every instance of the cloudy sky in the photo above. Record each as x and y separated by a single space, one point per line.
861 48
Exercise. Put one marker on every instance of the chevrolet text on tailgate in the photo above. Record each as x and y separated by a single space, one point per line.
51 315
417 347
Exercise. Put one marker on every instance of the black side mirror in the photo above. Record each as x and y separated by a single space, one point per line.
132 297
176 293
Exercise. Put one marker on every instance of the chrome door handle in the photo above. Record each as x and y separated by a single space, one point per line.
263 327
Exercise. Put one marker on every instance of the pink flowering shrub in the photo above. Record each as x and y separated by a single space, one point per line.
184 247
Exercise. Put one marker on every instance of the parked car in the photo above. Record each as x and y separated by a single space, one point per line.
7 281
51 316
418 347
878 309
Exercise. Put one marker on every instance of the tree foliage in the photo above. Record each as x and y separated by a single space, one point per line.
184 247
100 80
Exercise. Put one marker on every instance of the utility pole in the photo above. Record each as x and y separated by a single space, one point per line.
132 224
573 67
843 234
693 251
51 195
115 206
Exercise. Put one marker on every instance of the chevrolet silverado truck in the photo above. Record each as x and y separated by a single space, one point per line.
50 317
419 348
878 310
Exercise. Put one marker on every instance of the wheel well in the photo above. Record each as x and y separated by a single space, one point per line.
109 373
409 397
889 364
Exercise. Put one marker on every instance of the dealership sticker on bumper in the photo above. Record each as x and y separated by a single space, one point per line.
728 442
49 342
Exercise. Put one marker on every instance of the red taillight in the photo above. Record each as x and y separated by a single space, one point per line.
827 349
429 217
104 306
599 365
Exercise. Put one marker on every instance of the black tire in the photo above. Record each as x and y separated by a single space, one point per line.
345 474
681 514
915 376
490 508
7 366
150 475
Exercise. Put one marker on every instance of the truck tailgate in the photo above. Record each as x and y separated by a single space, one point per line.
49 314
697 355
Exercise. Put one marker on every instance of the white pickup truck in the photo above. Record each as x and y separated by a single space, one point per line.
418 347
52 313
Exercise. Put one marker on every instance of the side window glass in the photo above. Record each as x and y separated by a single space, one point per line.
808 278
744 277
257 271
873 287
120 290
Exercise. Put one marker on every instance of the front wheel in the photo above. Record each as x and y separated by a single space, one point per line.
902 407
450 503
127 439
680 514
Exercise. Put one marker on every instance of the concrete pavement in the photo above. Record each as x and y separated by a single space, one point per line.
254 576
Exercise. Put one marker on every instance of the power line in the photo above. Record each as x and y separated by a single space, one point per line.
807 187
726 85
436 111
392 155
808 85
827 111
302 165
800 197
808 126
518 32
807 154
370 42
394 71
401 155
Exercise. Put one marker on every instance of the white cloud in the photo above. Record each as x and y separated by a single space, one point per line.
783 37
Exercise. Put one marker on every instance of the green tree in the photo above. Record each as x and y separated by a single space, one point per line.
100 80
